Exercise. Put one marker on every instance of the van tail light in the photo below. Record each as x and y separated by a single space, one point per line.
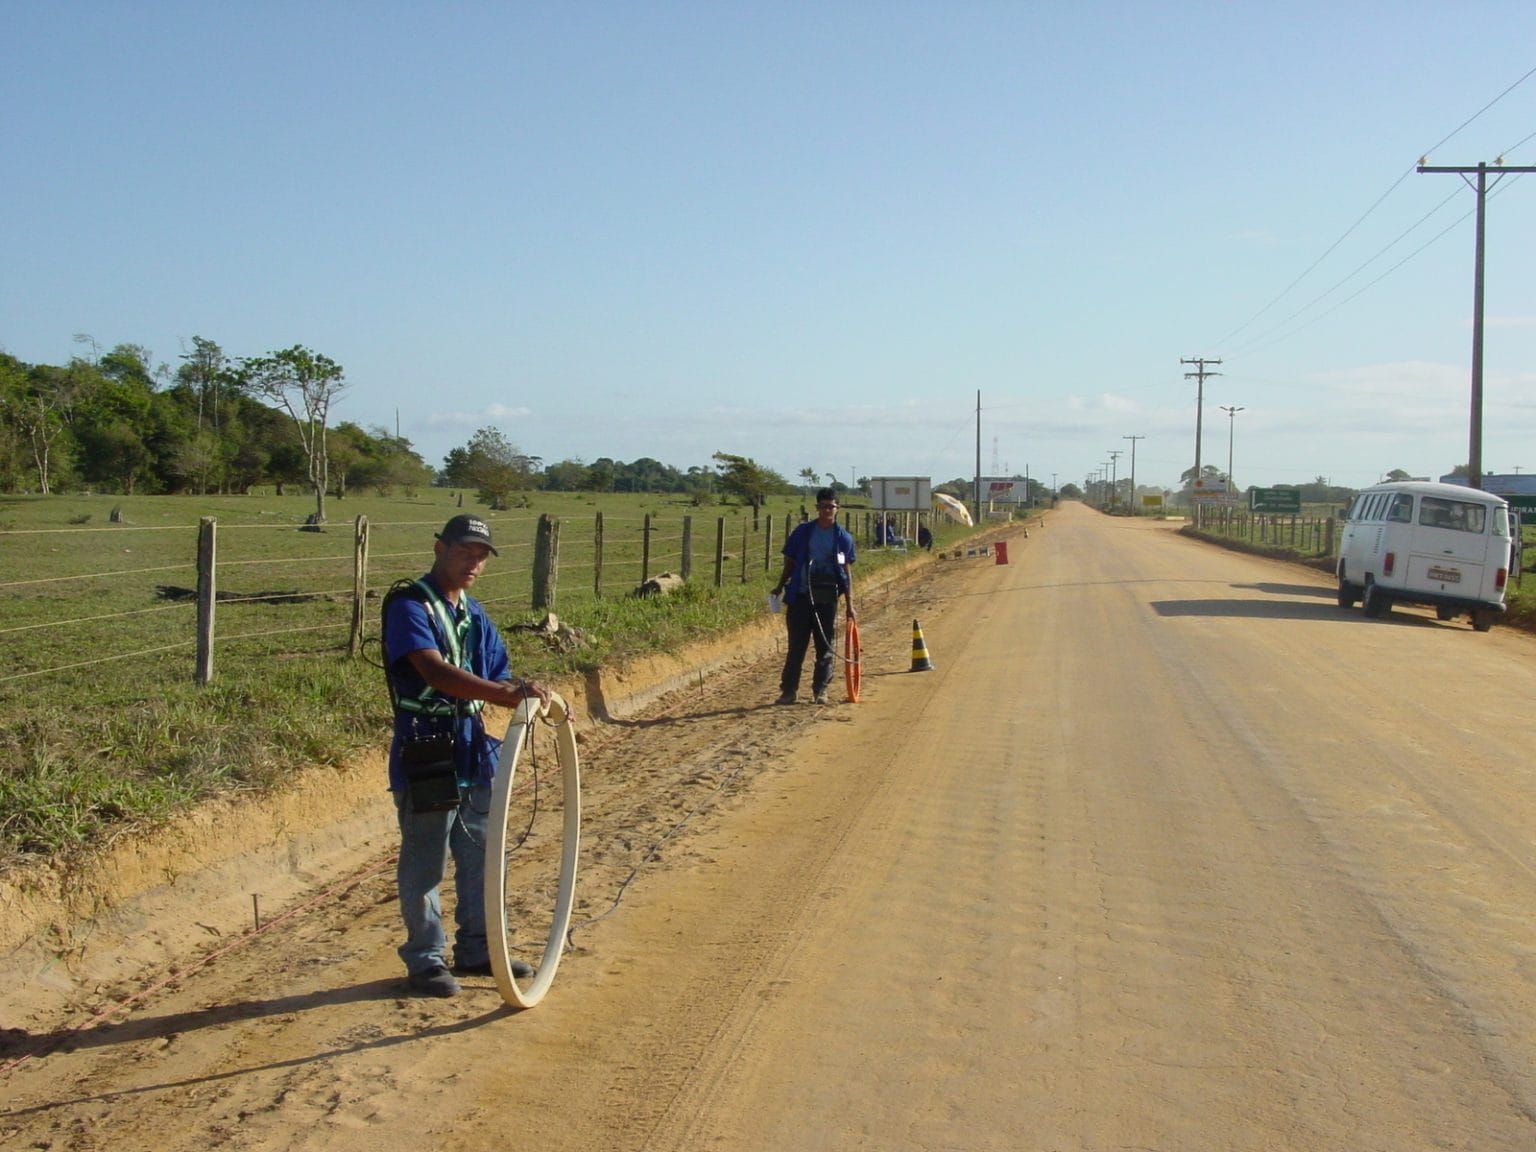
1389 563
1498 581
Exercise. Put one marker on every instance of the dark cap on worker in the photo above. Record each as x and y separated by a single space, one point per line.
467 528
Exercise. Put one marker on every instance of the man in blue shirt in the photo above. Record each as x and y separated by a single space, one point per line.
445 661
817 558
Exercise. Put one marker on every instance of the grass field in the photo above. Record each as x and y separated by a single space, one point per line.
104 725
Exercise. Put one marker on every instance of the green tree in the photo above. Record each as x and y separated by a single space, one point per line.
455 470
347 446
745 478
195 461
109 419
202 371
699 483
303 384
386 462
1210 474
495 467
565 476
600 475
40 414
13 455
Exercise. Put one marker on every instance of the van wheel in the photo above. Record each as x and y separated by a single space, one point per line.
1443 613
1377 602
1349 594
1482 621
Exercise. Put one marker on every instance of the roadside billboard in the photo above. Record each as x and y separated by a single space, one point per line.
901 493
1005 491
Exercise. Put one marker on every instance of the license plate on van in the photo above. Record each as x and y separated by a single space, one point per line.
1445 575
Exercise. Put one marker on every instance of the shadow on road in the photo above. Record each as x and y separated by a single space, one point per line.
1322 592
18 1041
152 1027
1279 610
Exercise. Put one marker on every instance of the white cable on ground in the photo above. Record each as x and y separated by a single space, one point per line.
558 714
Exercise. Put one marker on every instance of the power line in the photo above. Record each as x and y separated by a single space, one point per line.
1253 347
1376 204
1481 110
1358 269
1286 291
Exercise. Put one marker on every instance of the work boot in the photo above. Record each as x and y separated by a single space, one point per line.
519 969
820 697
433 981
785 698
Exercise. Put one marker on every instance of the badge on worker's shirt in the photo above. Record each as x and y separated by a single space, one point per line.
842 559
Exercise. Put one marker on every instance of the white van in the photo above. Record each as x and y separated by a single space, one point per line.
1419 543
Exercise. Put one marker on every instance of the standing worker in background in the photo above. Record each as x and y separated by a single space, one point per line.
817 558
444 661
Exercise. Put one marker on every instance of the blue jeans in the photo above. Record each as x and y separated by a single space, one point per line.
807 622
426 839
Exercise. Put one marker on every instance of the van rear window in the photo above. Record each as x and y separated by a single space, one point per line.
1457 515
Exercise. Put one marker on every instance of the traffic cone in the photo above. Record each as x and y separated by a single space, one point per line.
920 661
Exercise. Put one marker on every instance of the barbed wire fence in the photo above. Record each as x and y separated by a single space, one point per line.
272 591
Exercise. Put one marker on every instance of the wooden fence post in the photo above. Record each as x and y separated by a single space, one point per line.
546 563
359 583
645 550
685 565
597 558
719 551
768 543
207 532
743 551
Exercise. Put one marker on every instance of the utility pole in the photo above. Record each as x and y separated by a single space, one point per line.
1475 435
1199 375
1231 423
1133 440
978 456
1114 460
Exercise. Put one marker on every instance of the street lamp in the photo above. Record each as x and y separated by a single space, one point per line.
1231 424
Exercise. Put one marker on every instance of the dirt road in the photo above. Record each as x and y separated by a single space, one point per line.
1168 853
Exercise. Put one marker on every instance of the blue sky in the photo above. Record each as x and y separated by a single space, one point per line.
810 234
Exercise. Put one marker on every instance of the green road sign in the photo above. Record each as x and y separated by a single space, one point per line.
1286 501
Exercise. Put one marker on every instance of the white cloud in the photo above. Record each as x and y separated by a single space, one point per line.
490 414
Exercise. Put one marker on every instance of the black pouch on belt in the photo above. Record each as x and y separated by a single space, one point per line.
431 779
823 591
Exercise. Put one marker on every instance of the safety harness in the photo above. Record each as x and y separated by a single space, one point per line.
454 639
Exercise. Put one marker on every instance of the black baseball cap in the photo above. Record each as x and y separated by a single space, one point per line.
470 528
